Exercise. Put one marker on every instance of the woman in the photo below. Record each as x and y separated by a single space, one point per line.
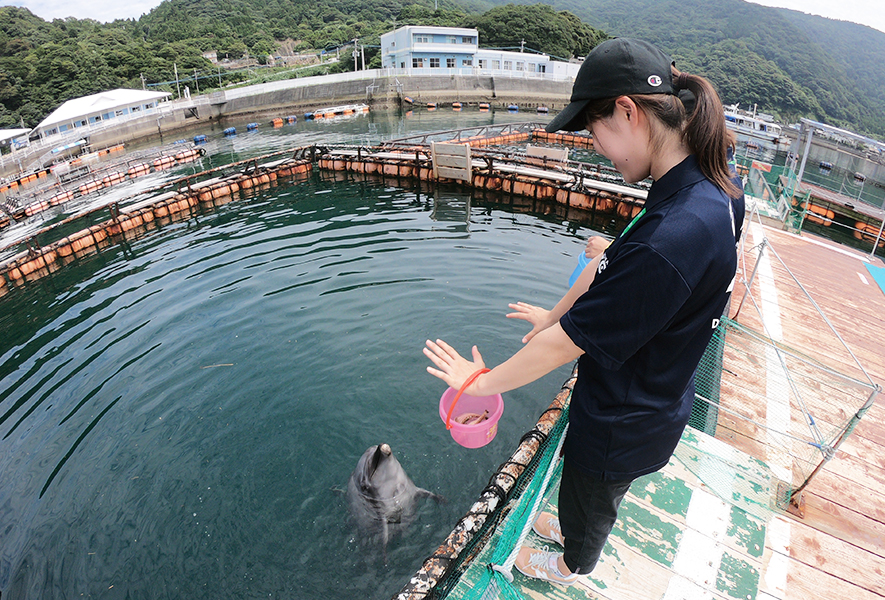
641 314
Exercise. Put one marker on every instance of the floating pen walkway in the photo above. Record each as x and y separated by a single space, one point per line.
539 173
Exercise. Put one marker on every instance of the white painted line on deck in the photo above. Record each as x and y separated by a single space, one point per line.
777 538
862 278
829 246
777 389
697 559
777 533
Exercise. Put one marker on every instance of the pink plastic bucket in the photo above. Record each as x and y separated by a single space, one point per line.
471 436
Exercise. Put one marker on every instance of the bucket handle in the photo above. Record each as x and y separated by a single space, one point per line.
466 385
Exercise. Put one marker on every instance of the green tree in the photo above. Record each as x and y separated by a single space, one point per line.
539 27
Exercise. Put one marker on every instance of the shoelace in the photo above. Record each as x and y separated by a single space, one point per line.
542 560
554 525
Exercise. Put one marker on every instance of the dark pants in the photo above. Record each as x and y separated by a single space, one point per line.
588 509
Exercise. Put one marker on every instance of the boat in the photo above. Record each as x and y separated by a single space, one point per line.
754 125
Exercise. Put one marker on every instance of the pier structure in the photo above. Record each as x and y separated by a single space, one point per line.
499 161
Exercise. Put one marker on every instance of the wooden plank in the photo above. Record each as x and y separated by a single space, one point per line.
451 161
837 487
555 154
844 492
837 558
806 583
446 160
450 149
844 524
449 173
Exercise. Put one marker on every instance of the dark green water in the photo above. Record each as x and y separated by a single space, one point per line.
176 411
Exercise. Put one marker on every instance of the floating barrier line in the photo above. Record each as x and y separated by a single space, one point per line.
478 524
38 261
514 174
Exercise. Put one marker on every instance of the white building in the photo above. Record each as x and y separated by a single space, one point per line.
14 138
425 50
88 110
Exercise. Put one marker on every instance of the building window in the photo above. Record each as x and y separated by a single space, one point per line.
542 68
80 123
496 65
62 128
481 63
508 65
466 40
422 39
417 63
434 63
120 112
532 67
520 66
402 65
52 131
467 62
451 39
134 108
450 63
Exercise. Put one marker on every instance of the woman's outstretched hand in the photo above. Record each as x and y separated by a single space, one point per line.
537 316
453 368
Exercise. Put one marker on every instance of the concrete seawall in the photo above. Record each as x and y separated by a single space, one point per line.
374 88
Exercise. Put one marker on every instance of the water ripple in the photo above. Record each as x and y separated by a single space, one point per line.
123 453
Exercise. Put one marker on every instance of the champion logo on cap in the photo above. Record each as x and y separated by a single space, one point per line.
654 80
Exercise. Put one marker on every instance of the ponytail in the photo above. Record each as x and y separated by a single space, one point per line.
705 133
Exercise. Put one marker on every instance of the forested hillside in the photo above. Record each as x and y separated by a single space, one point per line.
789 63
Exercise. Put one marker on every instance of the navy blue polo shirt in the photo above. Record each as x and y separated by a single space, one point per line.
644 323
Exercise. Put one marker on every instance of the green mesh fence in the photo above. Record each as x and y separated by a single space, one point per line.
784 408
507 525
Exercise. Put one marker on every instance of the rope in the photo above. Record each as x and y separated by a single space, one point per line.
540 498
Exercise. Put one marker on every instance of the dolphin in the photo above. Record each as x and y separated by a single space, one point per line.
381 496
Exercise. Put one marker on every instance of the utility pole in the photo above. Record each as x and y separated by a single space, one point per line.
355 53
142 81
522 45
197 81
178 87
219 76
363 53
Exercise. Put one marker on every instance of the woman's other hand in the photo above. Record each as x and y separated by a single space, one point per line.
537 316
596 245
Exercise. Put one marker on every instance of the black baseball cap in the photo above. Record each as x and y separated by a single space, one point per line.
617 67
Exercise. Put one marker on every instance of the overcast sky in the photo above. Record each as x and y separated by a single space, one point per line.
865 12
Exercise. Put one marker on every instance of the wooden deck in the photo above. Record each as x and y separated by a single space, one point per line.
683 536
838 549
